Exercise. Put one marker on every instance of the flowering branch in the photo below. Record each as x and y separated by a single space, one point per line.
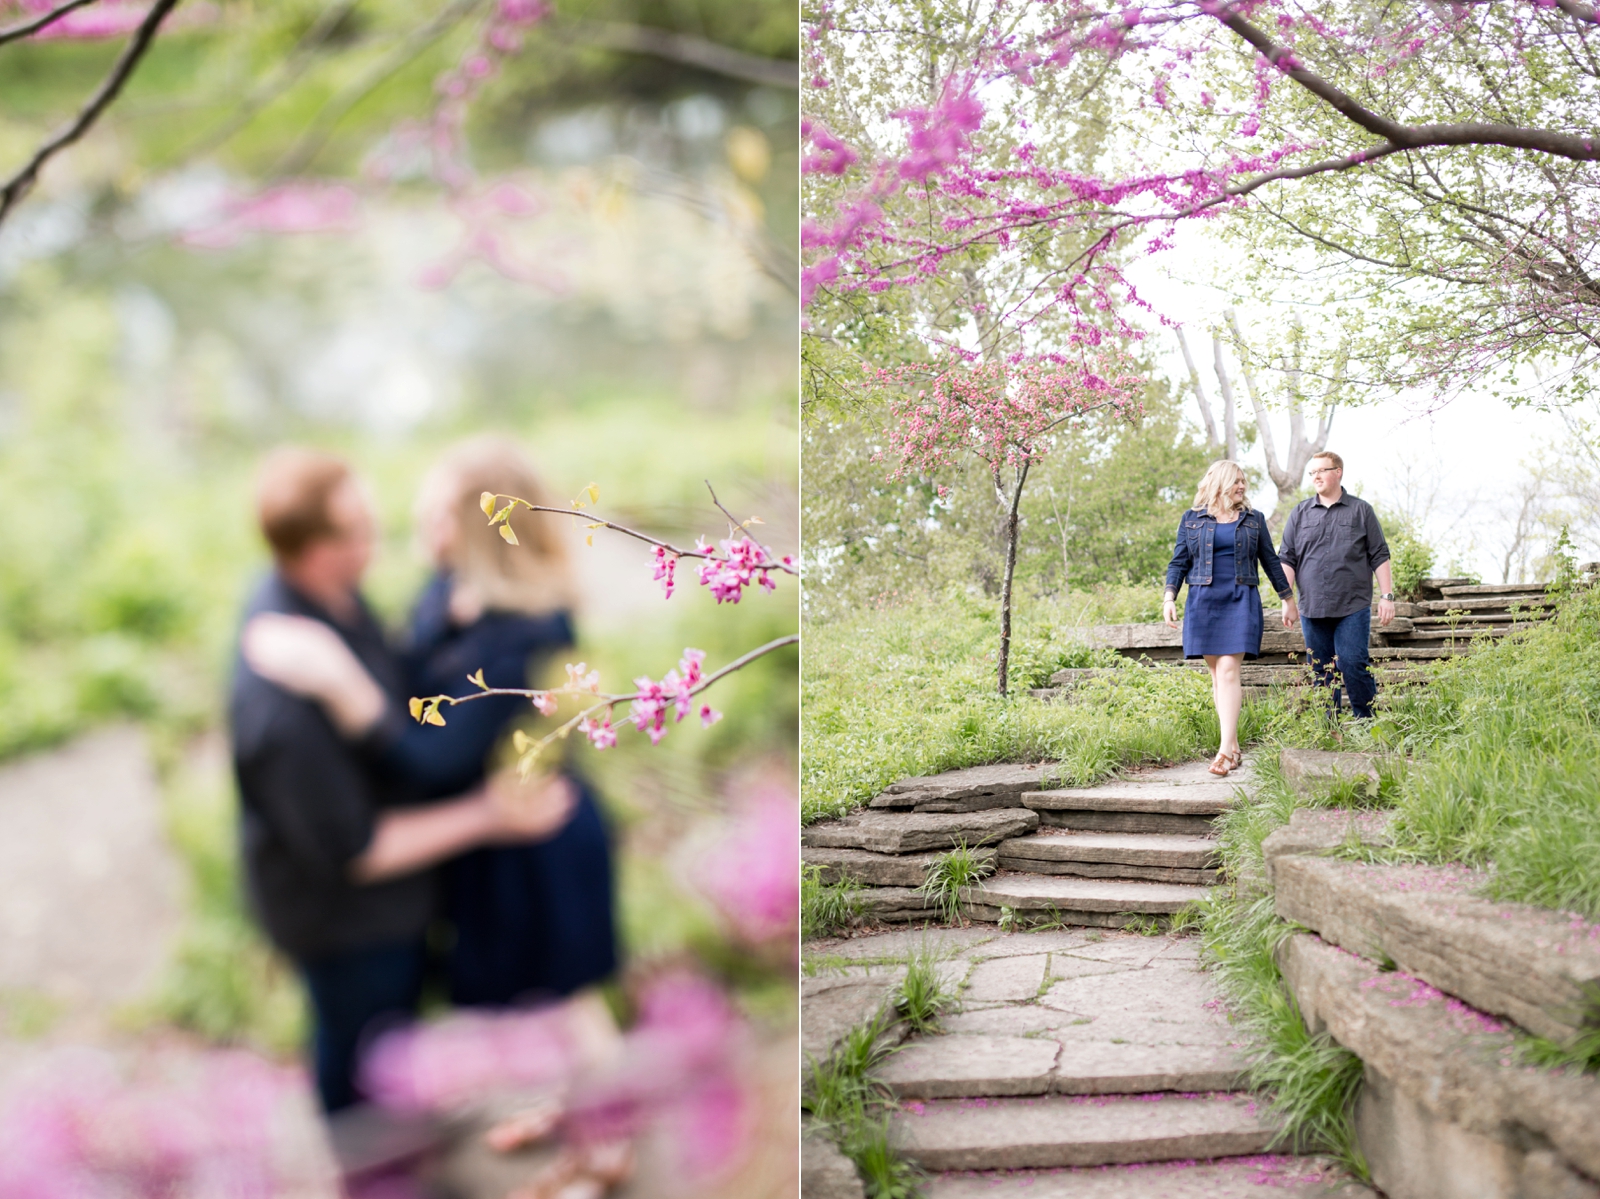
650 703
22 29
12 191
742 561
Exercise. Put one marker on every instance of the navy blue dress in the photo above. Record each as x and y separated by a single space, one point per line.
531 922
1224 617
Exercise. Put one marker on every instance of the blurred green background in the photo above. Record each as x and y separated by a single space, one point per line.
141 378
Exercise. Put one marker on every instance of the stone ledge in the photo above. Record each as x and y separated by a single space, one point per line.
1325 831
826 1173
1530 964
970 789
1454 1068
1307 769
911 832
865 868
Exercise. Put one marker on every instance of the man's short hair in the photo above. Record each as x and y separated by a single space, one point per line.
1338 462
293 490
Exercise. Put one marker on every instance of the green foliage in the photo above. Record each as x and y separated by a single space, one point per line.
840 1094
1098 511
1411 561
921 995
1507 766
948 874
909 690
826 908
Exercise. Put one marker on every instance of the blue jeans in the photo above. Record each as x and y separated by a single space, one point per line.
354 995
1339 644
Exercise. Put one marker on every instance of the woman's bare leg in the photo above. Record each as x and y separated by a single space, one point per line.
1228 694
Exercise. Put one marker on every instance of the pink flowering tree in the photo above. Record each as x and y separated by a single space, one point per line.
1443 153
1006 414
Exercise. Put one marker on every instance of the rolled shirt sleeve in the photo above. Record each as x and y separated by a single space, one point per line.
1288 554
1377 544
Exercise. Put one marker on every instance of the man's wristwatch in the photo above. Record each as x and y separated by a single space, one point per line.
1387 595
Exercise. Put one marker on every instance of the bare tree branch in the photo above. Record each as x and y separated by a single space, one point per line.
1230 424
691 51
1212 444
15 188
22 29
1411 137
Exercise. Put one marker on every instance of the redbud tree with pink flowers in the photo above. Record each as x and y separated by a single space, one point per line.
1426 173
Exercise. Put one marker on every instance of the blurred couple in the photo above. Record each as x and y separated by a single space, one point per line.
381 854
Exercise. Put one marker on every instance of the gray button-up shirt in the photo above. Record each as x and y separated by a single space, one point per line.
1333 551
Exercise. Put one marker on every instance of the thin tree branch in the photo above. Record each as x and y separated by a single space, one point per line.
18 186
691 51
280 81
1410 137
304 152
22 29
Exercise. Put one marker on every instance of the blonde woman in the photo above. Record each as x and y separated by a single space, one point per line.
1220 540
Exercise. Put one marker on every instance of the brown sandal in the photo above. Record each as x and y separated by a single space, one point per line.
1221 765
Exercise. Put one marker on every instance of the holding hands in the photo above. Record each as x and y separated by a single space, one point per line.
1290 612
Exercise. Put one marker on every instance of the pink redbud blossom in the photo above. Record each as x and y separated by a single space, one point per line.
441 1066
746 562
708 716
599 732
665 565
579 680
546 703
751 874
834 157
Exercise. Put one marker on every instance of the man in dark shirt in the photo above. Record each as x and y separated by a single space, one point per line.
1332 546
337 858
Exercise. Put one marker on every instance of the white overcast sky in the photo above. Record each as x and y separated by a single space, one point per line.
1468 455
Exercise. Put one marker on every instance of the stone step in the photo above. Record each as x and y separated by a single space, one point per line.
1496 590
1536 966
1054 1131
972 789
968 1066
1422 638
1128 822
1490 604
1279 1176
1307 770
913 832
1446 1108
891 905
1152 857
1104 902
1477 619
868 869
1145 798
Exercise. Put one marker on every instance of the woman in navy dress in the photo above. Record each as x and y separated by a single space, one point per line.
529 922
1220 541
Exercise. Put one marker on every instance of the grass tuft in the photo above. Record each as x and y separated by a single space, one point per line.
922 996
826 908
949 874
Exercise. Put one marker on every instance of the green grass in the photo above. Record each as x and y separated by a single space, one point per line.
840 1094
826 908
909 690
948 874
921 995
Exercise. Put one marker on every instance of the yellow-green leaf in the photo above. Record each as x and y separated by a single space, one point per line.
478 679
486 502
433 716
590 538
416 708
520 741
594 493
502 514
508 533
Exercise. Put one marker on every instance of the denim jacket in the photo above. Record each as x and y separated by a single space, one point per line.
1197 534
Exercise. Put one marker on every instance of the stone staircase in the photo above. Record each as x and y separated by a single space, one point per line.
1449 616
1122 853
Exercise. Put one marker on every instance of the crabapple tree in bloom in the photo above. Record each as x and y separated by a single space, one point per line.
1003 413
1450 149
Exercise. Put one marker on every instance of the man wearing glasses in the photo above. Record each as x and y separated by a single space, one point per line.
1332 546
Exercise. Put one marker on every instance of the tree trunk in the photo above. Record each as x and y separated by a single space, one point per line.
1011 569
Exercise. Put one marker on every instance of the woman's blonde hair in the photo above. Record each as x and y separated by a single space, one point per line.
532 577
1216 485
